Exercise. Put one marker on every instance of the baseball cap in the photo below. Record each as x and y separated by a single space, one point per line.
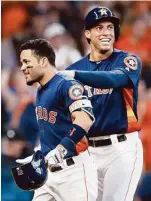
97 14
54 29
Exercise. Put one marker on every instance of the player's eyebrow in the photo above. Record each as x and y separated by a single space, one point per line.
24 60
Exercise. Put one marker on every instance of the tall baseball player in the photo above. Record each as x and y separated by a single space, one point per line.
64 116
111 77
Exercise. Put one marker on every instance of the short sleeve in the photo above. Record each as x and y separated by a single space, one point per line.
72 91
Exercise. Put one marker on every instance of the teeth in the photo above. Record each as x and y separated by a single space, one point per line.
105 40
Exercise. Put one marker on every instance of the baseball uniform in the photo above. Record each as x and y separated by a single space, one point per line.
77 178
113 138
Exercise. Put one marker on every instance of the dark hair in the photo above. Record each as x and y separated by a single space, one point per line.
42 48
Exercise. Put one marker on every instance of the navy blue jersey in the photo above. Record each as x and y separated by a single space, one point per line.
52 109
115 110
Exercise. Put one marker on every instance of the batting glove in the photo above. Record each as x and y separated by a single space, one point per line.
25 160
56 155
29 158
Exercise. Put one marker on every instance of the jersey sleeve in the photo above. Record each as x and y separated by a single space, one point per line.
72 91
131 65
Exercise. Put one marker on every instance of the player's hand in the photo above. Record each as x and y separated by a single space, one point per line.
70 73
29 158
25 160
56 155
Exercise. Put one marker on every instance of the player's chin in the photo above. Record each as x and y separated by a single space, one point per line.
106 46
30 82
104 49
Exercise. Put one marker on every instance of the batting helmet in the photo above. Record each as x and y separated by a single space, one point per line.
32 175
102 14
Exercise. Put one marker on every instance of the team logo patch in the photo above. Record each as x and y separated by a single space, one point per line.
19 171
76 91
131 62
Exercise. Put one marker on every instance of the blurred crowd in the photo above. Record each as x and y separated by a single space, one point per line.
61 22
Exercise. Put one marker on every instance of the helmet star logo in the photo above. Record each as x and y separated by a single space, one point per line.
103 11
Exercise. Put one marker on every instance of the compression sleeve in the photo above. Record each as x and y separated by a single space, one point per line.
103 79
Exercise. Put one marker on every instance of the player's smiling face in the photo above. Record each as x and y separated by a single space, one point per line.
102 36
31 66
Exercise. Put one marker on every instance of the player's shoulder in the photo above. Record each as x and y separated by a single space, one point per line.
124 54
64 78
68 81
70 85
127 58
78 64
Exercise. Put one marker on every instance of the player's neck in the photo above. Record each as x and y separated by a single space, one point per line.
48 76
98 56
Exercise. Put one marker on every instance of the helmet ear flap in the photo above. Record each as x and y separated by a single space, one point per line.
32 175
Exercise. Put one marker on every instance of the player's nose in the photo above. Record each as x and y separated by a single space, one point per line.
106 31
23 67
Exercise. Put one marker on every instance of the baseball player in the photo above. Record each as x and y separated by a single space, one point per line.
111 77
64 116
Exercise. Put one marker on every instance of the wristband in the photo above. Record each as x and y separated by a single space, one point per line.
69 142
76 134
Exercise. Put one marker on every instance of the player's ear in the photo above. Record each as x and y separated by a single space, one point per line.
87 34
44 61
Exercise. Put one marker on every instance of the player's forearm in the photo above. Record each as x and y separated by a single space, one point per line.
78 133
70 142
102 79
82 119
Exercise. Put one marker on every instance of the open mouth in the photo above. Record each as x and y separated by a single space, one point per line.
105 40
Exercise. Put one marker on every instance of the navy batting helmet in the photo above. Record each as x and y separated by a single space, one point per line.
100 14
32 175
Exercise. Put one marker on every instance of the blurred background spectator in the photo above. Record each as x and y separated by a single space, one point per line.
61 22
64 45
19 102
136 39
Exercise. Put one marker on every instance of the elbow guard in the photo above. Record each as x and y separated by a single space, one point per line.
83 104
